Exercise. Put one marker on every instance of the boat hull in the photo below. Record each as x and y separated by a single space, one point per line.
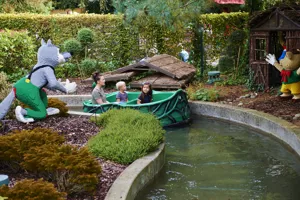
169 107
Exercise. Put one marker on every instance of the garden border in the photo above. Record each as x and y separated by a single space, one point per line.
286 132
137 175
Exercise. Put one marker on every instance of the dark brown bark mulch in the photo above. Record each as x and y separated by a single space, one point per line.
76 130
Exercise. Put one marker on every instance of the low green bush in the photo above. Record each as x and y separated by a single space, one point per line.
29 189
72 169
88 66
127 135
67 70
17 53
199 92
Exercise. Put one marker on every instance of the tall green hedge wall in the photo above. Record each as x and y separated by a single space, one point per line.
116 41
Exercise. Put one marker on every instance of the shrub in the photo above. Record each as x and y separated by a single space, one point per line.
15 145
55 103
226 64
29 189
85 36
198 92
17 53
5 87
73 46
88 66
67 70
73 170
62 106
128 135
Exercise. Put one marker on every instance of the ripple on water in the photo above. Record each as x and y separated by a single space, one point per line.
217 160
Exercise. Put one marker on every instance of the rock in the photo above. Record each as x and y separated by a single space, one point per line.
230 103
240 104
228 100
295 118
287 117
247 95
297 115
252 96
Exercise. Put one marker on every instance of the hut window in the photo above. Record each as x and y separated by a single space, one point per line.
260 49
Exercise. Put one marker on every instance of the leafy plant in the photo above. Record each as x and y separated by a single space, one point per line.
17 53
85 36
197 91
88 66
226 64
14 146
121 143
72 169
67 70
73 46
251 84
62 106
29 189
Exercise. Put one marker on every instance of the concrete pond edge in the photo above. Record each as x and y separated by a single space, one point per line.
137 175
284 131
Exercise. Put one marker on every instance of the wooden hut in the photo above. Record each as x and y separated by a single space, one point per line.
167 72
268 31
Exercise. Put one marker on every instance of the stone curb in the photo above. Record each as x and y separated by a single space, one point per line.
72 100
137 175
281 129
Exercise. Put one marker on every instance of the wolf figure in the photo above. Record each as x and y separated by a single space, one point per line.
29 89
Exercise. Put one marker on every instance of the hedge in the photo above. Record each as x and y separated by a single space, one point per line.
122 43
128 135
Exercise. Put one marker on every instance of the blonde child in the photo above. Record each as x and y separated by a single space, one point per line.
122 96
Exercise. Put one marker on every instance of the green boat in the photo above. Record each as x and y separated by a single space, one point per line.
169 107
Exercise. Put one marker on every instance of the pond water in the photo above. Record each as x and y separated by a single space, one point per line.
217 160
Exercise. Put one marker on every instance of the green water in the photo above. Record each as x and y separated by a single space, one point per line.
216 160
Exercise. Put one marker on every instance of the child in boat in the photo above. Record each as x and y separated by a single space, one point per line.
122 96
146 94
98 95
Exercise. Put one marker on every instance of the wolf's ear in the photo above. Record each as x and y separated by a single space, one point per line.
43 42
49 42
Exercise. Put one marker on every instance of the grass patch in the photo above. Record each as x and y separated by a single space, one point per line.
127 135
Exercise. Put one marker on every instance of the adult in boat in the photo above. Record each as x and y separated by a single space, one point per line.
98 95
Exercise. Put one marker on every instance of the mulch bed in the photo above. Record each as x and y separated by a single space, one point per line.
76 130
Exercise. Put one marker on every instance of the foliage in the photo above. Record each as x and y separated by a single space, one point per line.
128 135
250 82
29 189
17 53
88 66
225 64
197 91
62 106
117 44
73 170
85 36
5 89
73 46
67 70
69 4
55 103
15 145
21 6
169 13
